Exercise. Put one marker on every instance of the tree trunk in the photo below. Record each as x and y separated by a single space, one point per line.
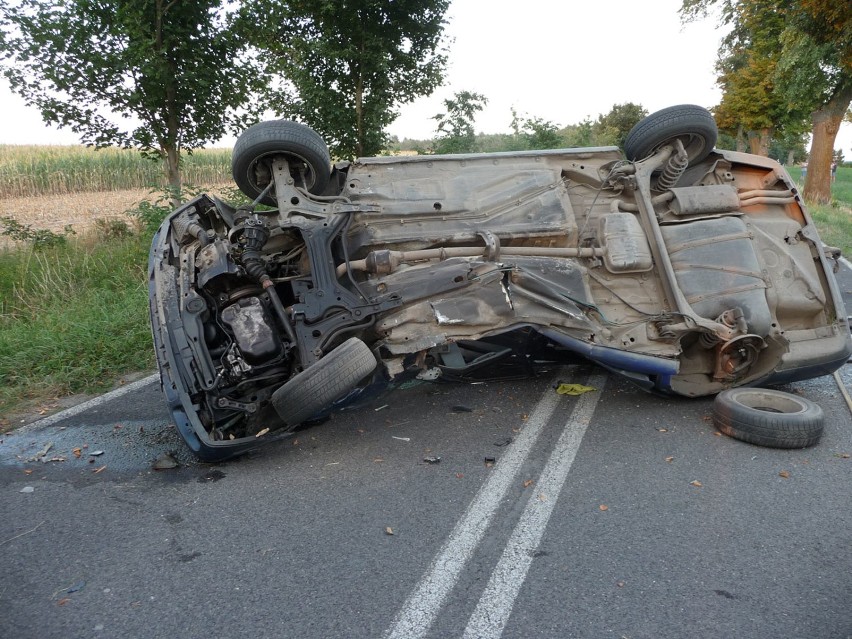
759 141
171 160
765 141
359 116
359 104
826 121
170 142
741 139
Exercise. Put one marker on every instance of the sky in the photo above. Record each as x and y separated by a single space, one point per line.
559 60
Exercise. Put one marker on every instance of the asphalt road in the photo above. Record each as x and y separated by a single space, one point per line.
611 514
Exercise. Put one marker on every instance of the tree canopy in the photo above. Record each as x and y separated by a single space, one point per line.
157 75
783 61
612 127
346 66
455 128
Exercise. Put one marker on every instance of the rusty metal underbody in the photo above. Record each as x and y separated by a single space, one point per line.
716 281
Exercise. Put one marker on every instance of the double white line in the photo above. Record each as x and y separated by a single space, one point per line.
488 620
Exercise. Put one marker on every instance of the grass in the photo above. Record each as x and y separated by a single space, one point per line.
835 221
73 317
26 171
73 312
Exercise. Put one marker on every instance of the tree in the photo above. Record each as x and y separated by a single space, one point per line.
533 133
347 65
455 127
802 49
613 127
579 135
790 146
817 63
542 134
156 75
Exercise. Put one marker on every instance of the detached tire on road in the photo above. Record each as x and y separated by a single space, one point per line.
256 147
692 124
329 380
768 417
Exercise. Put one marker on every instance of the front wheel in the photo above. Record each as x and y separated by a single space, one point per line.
306 153
329 380
693 125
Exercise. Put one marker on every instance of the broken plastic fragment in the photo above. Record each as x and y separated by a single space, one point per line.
432 460
164 462
573 389
76 587
41 453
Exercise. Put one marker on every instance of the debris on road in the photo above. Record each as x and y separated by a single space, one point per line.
41 453
76 587
432 460
164 462
573 389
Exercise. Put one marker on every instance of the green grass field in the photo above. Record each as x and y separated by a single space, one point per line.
835 221
73 310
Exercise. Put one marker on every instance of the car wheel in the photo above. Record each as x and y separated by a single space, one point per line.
329 380
306 152
768 417
693 125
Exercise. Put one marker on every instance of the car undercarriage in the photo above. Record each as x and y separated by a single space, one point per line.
688 270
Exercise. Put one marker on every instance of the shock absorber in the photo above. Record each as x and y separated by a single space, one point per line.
674 168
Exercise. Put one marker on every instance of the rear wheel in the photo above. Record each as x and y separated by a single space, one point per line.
768 417
693 125
329 380
305 150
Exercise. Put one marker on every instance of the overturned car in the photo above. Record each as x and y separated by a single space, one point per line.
688 270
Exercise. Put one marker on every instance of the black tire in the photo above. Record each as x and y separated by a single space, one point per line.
306 152
692 124
768 417
329 380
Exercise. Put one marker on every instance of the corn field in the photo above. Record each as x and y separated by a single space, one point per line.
28 170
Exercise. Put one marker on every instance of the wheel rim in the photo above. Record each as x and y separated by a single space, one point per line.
769 402
693 144
298 166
